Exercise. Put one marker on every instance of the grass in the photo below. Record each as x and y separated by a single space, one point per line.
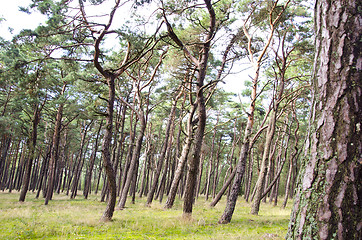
79 219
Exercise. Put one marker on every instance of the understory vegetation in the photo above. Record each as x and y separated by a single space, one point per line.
79 219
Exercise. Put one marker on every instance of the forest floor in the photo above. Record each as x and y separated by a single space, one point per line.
79 219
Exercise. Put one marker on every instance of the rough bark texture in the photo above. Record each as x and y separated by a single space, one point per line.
191 179
328 199
106 154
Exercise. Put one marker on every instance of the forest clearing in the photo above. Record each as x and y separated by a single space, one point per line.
79 219
181 119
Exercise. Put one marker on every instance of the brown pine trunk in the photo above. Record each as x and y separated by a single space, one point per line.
210 170
291 160
181 162
106 154
168 133
43 172
133 163
264 165
80 163
5 144
32 145
88 177
201 114
146 163
13 148
240 168
328 201
250 175
54 152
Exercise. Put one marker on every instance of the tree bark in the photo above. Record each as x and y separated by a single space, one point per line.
106 153
201 114
87 183
78 170
54 152
182 160
168 132
292 159
32 145
328 200
133 163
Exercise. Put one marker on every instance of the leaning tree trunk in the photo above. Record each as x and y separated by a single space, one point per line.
181 161
328 199
168 132
134 161
292 159
264 164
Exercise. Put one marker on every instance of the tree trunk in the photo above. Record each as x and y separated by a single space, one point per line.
211 165
106 154
292 160
168 132
133 163
32 145
264 165
4 152
54 152
181 162
87 183
78 170
328 201
43 171
250 175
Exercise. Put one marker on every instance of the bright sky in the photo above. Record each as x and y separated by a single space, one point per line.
18 20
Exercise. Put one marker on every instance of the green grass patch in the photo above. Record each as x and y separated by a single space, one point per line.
79 219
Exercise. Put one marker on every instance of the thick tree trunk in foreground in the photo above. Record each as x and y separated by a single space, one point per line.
191 180
328 200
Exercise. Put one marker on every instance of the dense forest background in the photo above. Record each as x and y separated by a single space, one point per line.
132 103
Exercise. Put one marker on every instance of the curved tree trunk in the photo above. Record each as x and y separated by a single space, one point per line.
329 199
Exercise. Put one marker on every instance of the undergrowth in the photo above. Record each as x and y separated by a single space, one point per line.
79 219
